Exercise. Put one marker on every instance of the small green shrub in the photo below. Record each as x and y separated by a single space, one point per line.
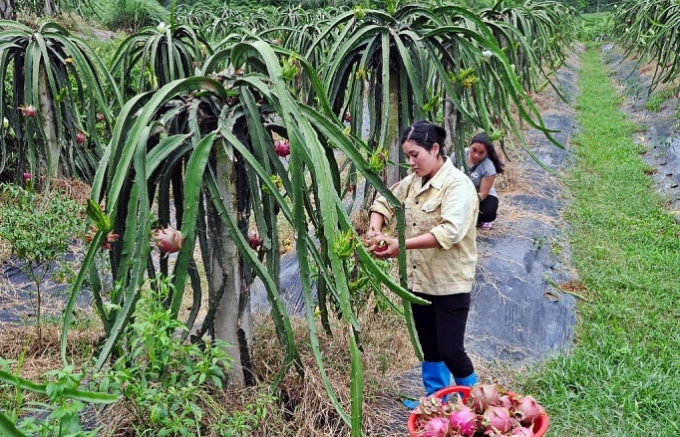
594 29
39 229
57 416
168 386
132 15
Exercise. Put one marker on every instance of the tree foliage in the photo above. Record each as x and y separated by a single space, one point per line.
52 103
652 29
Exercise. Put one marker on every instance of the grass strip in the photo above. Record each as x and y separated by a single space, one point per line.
622 377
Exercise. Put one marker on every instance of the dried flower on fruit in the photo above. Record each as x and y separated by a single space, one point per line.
28 110
377 160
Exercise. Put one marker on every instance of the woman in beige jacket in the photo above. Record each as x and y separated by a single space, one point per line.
441 207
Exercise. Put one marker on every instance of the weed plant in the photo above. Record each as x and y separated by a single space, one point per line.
56 413
658 98
171 388
622 377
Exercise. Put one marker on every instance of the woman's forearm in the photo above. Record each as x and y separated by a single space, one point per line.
425 241
485 186
375 222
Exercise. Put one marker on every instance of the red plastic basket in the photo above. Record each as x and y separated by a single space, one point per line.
540 425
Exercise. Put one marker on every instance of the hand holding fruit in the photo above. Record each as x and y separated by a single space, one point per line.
381 246
387 247
374 241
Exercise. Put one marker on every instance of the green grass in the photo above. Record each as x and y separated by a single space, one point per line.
659 97
622 377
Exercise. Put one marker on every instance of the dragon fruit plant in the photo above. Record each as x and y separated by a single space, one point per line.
488 411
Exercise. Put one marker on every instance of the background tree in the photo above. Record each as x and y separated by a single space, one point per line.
53 104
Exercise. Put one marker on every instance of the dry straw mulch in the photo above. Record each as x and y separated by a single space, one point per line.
41 356
387 352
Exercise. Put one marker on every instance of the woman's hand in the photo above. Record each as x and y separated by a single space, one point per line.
373 241
387 248
375 225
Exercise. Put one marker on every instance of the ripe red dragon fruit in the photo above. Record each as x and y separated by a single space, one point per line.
282 148
496 420
484 395
80 137
523 432
254 241
167 240
435 427
28 110
27 177
348 117
526 409
463 420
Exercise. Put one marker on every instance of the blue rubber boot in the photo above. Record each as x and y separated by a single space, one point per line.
436 376
469 380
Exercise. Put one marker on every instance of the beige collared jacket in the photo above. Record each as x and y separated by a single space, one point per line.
447 207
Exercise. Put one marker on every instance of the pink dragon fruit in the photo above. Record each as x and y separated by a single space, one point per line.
80 137
484 395
496 420
435 427
523 432
254 241
463 420
28 111
282 148
526 409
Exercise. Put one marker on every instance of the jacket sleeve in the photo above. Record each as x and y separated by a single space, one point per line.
383 206
459 209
